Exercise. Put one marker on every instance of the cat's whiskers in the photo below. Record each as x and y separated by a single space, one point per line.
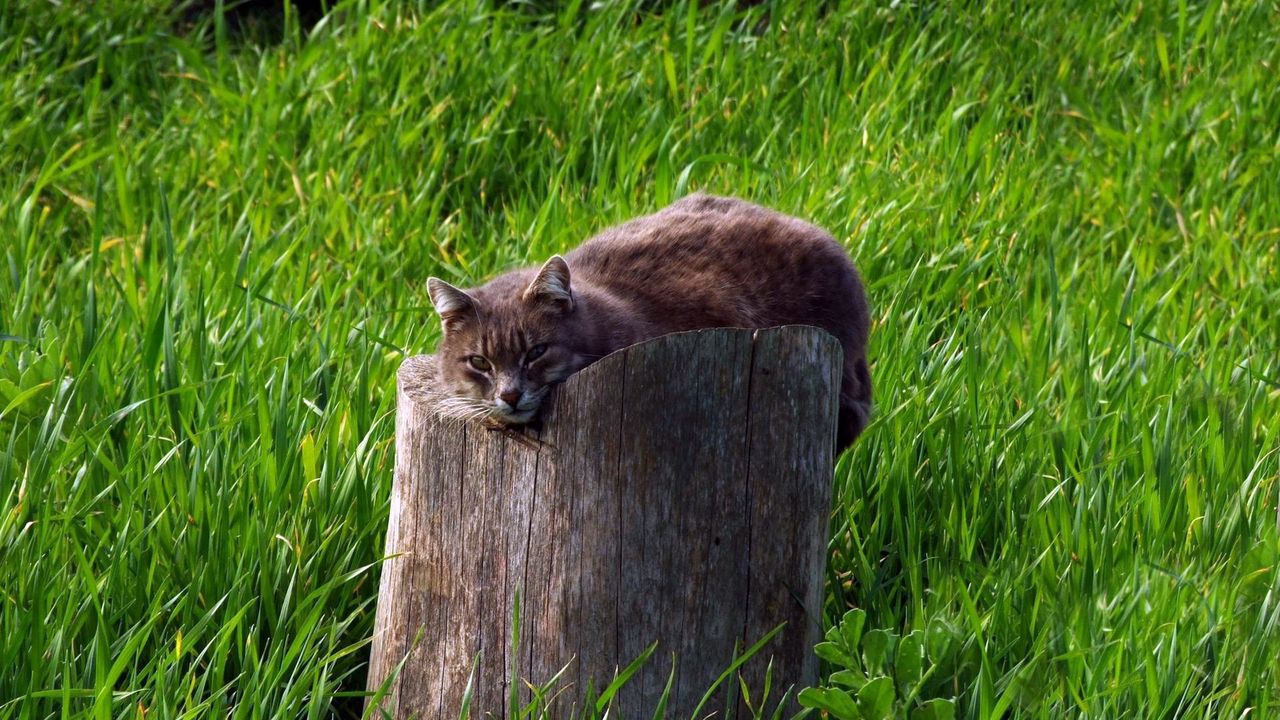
463 409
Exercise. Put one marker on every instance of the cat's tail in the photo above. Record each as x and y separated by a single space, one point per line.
855 403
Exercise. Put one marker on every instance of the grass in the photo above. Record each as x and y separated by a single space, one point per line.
214 255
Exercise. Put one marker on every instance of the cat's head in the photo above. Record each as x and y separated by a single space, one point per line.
507 342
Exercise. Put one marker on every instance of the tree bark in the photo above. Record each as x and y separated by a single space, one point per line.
678 492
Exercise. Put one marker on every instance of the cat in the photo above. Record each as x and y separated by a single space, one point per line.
702 262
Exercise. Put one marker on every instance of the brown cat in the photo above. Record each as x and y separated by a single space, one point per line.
702 262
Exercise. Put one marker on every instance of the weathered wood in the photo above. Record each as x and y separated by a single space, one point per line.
679 492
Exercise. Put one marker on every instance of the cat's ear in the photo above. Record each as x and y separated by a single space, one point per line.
551 284
452 304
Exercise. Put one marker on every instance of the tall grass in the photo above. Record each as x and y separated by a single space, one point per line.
213 258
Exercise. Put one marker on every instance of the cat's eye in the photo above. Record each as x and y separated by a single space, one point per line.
535 352
479 363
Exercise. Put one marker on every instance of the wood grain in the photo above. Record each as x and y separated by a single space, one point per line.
678 493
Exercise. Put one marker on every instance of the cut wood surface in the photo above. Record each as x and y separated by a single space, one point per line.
678 493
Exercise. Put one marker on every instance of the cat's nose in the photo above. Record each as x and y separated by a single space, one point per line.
510 397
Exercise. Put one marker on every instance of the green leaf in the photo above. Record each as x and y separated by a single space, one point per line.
936 709
875 699
310 457
622 677
835 702
833 654
908 664
8 390
660 710
875 649
851 628
849 678
669 69
738 661
938 638
24 396
464 713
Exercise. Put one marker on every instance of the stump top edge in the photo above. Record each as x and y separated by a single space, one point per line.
419 374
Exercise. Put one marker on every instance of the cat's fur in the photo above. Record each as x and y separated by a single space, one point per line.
702 262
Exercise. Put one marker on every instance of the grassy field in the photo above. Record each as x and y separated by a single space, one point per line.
213 255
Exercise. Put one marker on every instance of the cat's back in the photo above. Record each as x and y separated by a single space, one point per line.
702 234
707 260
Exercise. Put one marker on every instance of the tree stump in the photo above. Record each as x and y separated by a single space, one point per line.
678 492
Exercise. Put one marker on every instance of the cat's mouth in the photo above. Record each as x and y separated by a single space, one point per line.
514 417
523 412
